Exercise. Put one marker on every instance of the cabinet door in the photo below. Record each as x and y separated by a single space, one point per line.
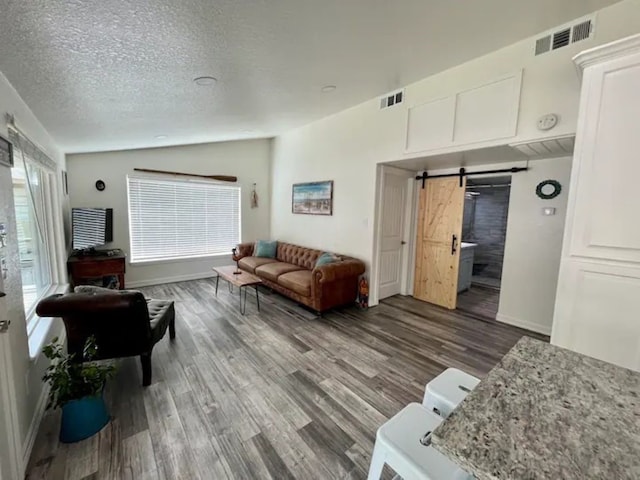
597 312
430 125
598 296
607 163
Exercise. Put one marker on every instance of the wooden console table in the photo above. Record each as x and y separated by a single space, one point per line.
98 269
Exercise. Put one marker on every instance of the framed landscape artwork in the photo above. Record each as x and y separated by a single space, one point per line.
314 198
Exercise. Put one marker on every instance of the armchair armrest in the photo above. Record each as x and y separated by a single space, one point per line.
244 250
338 271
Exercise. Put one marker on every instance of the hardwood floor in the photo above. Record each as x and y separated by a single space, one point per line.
278 394
480 301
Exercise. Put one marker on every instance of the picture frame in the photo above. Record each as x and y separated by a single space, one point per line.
312 198
6 152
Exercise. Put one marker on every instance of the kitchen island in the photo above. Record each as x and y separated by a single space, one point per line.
547 413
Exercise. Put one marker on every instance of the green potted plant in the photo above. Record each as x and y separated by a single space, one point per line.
77 388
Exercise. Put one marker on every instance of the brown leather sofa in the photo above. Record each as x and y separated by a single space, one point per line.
123 322
293 273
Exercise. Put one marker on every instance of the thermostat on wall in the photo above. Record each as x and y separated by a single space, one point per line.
547 122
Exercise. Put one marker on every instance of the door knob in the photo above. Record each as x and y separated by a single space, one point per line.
454 244
2 294
4 325
403 242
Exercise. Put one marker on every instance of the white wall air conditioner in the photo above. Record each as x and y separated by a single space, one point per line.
562 36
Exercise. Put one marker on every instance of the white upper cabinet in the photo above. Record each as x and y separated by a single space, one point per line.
607 218
481 114
598 297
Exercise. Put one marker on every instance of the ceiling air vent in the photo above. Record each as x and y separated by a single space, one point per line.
582 31
561 38
565 35
543 45
391 99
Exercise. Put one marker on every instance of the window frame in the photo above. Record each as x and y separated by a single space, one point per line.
37 328
46 176
180 258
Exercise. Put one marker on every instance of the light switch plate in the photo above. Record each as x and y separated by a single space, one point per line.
548 211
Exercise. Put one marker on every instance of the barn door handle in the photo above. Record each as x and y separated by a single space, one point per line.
454 244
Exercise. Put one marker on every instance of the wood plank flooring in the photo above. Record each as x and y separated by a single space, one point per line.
480 301
278 394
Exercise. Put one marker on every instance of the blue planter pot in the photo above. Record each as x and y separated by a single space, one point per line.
83 418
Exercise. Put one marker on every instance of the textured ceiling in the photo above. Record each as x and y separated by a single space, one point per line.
107 74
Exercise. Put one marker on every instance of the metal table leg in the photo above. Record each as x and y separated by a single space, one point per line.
257 297
243 306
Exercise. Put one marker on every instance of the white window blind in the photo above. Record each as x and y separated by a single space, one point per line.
172 219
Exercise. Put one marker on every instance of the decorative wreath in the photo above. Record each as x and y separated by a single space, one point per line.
557 188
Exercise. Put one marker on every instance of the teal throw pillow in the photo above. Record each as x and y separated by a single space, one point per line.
326 258
266 249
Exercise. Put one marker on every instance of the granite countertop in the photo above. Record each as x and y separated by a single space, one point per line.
547 413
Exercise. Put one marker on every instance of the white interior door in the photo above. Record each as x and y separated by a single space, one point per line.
393 245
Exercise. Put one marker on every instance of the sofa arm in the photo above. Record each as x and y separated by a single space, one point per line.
244 250
338 271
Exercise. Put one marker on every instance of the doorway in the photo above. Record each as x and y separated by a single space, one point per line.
484 230
394 230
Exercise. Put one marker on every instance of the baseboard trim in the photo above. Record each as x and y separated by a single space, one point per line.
38 415
516 322
163 280
35 425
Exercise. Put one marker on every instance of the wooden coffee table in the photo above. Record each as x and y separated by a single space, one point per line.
241 280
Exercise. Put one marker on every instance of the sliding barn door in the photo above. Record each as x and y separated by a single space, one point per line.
438 243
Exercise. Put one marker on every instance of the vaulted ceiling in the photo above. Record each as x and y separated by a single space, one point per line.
114 74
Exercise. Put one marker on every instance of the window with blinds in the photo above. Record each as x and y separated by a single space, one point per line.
173 219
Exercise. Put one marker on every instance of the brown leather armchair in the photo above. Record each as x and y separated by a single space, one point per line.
124 323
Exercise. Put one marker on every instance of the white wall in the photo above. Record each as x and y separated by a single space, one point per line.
533 246
249 160
27 373
347 146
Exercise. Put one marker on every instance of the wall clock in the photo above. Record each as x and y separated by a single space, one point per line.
100 185
548 189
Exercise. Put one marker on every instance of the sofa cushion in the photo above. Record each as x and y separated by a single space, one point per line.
326 258
251 263
266 249
271 271
299 282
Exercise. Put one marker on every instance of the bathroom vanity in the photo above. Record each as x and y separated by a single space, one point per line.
465 271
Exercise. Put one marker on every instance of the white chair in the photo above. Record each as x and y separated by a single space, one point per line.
403 443
447 390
